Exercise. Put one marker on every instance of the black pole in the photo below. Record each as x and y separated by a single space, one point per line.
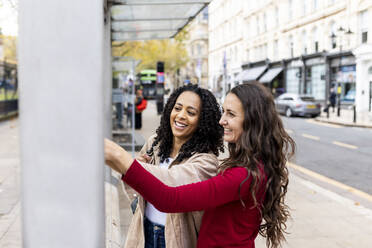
338 104
354 116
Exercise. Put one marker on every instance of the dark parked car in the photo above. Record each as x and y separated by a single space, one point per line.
297 105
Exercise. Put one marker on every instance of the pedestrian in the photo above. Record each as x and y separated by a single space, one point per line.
332 99
247 196
139 100
189 133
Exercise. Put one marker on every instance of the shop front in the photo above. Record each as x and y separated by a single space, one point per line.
314 83
273 78
343 77
293 76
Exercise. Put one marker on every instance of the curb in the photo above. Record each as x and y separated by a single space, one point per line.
342 123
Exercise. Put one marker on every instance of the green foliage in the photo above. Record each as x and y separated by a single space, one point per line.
10 95
10 47
171 51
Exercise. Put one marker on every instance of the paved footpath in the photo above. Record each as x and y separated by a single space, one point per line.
320 217
10 228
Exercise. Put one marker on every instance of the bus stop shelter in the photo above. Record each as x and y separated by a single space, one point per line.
65 82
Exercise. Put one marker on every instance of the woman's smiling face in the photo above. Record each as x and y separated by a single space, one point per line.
184 117
232 118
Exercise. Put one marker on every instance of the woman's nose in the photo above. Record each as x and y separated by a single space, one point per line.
182 114
222 121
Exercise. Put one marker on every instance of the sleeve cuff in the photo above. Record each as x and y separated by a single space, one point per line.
130 171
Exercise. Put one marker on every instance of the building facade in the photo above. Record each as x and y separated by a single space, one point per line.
305 46
196 70
225 44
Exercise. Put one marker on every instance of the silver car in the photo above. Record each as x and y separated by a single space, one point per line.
297 105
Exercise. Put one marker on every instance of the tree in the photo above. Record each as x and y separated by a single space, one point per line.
10 48
171 51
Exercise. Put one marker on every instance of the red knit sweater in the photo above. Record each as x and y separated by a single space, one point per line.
225 223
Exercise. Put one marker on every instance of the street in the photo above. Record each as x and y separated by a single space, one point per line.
340 153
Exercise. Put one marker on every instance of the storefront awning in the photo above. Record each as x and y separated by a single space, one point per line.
152 19
270 75
251 74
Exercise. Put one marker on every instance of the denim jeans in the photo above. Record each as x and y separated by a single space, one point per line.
154 235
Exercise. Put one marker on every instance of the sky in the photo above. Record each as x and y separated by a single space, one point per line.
8 18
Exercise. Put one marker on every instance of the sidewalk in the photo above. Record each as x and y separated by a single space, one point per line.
346 118
320 217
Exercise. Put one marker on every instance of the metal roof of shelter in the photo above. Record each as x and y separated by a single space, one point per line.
152 19
124 64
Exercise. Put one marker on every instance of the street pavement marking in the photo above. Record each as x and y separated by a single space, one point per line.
344 145
331 181
288 131
310 136
323 123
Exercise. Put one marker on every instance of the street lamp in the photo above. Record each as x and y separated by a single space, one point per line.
341 31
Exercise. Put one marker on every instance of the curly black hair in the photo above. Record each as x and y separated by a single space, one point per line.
208 137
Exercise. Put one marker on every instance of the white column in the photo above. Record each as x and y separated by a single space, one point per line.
61 72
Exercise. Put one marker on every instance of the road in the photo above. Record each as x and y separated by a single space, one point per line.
340 153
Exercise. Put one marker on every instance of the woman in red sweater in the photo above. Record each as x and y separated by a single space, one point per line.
247 196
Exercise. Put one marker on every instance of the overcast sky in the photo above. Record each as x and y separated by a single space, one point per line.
8 18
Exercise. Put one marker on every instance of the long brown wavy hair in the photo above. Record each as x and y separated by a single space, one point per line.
263 141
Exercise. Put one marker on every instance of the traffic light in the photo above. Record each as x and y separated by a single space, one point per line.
160 66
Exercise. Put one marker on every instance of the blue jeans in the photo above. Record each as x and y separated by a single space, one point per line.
154 235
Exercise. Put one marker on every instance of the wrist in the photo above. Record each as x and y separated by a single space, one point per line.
125 162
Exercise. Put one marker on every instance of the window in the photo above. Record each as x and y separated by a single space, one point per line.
205 13
291 45
304 42
199 49
315 4
276 16
363 24
304 9
333 35
236 54
290 9
315 39
257 25
265 22
364 37
276 47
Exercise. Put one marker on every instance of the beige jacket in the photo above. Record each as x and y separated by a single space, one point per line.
181 229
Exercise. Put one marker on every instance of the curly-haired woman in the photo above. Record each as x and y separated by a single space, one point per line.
247 196
183 150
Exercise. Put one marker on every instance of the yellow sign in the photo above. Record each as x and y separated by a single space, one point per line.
339 90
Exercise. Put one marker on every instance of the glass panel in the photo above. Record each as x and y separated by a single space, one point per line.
153 12
318 82
143 35
152 19
293 80
128 26
138 2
